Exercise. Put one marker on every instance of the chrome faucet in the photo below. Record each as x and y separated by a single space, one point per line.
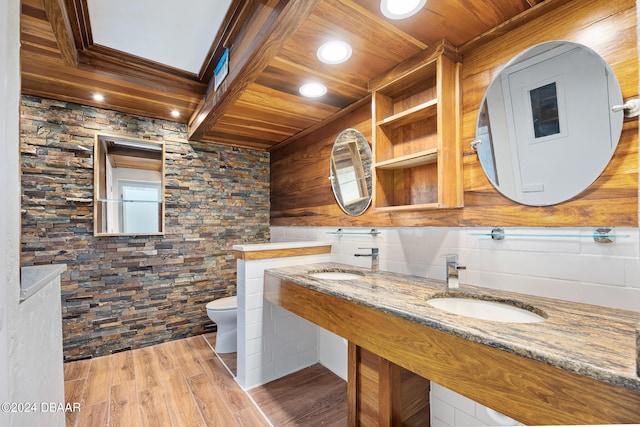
375 263
453 268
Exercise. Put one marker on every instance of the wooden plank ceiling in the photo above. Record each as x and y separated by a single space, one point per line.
272 46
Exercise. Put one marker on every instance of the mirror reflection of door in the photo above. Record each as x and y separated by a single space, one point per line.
129 186
550 95
349 173
139 211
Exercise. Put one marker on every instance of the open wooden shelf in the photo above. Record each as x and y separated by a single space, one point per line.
410 160
416 136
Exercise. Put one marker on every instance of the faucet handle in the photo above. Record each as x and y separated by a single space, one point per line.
374 251
450 257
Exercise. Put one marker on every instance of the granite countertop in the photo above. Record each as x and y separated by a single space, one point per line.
589 340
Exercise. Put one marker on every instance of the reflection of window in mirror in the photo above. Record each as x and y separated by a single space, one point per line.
544 109
129 186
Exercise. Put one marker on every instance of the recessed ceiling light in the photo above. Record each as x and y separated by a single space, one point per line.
98 97
400 9
313 89
334 52
175 113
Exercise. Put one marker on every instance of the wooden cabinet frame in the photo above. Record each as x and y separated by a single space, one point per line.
416 133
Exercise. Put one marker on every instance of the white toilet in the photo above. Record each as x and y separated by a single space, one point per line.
224 312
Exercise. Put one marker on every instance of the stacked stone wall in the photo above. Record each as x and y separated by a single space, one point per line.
122 292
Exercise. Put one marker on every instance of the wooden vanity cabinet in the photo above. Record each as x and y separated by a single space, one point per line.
416 133
381 393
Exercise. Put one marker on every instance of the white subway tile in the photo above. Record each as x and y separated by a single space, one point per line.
442 411
253 316
463 419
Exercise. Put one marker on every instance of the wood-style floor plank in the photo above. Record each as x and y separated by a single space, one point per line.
303 398
123 409
77 369
153 408
165 356
122 368
186 358
73 392
211 403
98 385
182 405
146 368
184 383
94 415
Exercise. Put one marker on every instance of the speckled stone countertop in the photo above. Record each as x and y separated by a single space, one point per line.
589 340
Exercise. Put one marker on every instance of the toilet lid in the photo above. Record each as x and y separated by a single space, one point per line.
227 303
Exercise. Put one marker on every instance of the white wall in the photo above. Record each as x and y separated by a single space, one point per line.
272 342
10 188
569 268
30 342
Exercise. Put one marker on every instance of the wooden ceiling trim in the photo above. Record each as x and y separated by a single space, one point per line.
89 79
61 26
287 75
106 59
271 100
381 26
250 129
112 60
233 140
236 17
77 87
421 59
244 113
339 114
538 9
283 23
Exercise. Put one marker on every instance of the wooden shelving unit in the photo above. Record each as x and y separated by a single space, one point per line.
416 136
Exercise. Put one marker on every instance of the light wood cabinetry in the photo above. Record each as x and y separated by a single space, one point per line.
381 393
416 137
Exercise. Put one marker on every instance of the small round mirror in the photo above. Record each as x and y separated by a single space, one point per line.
350 173
547 126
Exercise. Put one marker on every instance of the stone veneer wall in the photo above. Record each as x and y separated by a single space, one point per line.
129 292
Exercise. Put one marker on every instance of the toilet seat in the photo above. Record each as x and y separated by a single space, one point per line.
223 304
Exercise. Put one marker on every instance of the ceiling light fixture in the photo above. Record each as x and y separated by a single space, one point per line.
313 90
175 113
98 97
334 52
400 9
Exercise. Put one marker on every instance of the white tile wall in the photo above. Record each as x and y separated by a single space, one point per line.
272 342
569 268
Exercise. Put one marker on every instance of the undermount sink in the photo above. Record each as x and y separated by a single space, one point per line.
486 310
336 274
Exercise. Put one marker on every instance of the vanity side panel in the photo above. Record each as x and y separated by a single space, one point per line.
301 193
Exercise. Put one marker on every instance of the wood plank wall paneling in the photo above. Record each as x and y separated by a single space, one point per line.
301 194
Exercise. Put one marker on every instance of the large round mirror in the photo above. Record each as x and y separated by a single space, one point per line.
351 172
547 126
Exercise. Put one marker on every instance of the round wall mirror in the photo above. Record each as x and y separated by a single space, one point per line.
547 126
350 173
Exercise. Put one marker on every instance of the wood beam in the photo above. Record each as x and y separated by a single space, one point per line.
250 60
61 26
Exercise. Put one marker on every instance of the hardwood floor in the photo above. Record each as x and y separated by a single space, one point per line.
311 397
183 383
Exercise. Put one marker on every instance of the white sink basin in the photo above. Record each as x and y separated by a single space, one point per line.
336 274
485 310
